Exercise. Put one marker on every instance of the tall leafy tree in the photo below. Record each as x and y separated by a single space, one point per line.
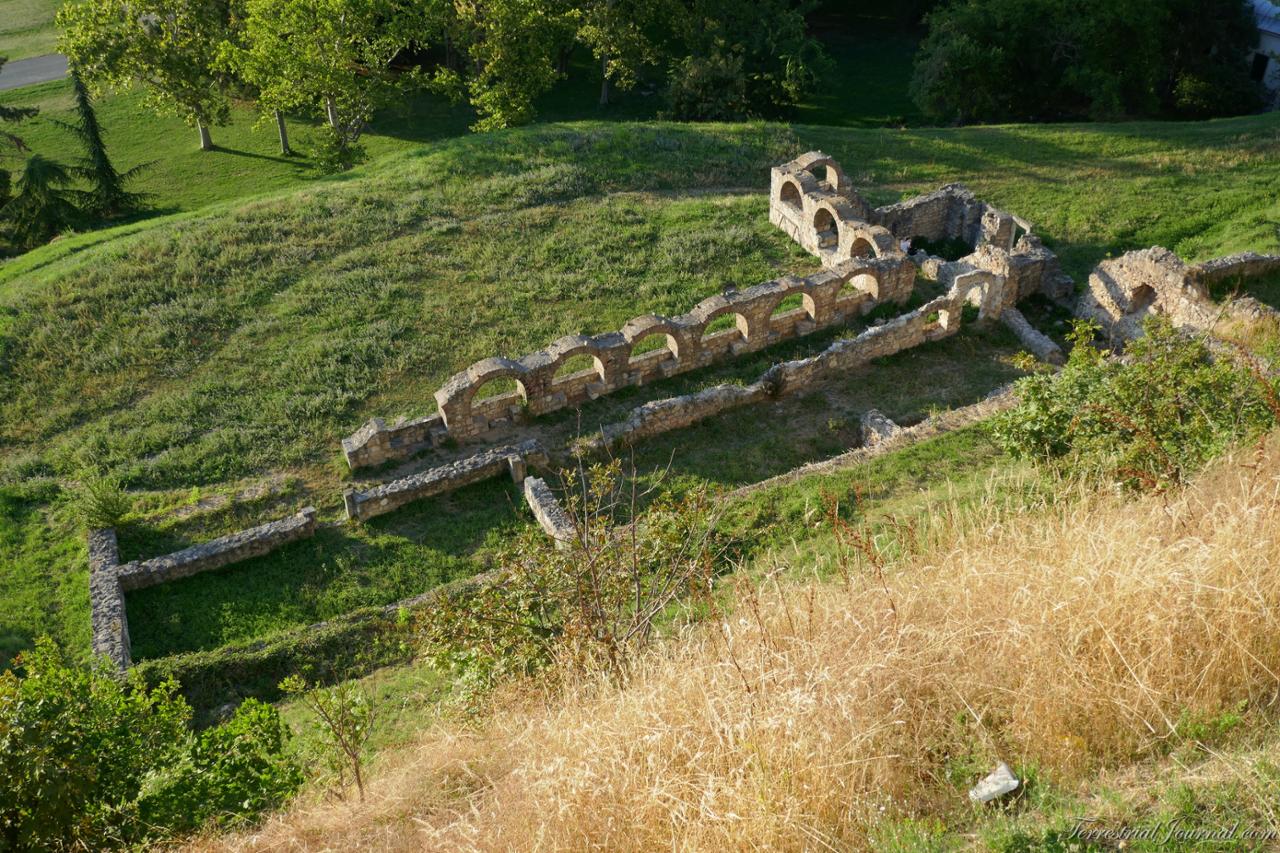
513 51
169 46
624 36
44 204
107 195
329 56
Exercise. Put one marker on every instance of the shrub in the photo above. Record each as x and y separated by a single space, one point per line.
590 606
100 501
90 760
1148 420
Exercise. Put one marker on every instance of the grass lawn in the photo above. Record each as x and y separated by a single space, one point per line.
241 342
26 27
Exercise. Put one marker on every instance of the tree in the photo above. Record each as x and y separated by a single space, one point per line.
1017 60
107 196
625 36
513 52
767 43
344 716
169 46
328 56
44 204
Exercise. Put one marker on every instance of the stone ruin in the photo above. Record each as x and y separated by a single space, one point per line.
866 263
1123 292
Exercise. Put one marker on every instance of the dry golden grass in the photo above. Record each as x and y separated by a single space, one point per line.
1073 639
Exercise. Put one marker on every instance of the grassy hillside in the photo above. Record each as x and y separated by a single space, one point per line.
203 357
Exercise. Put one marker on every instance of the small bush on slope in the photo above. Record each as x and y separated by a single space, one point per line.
90 761
1068 640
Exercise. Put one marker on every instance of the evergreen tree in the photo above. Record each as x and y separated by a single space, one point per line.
43 207
107 196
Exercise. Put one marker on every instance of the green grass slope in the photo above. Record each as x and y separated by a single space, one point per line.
26 27
195 355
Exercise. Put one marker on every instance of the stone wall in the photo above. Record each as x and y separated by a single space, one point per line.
1245 265
829 298
106 600
223 551
1037 343
551 517
512 459
940 318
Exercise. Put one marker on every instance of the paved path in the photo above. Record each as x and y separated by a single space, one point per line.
37 69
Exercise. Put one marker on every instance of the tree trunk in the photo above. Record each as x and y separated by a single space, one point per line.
331 107
604 81
284 134
206 144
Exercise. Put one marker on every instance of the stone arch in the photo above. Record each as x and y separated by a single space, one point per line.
826 229
678 335
1141 298
669 345
491 370
740 323
862 282
789 196
869 241
565 351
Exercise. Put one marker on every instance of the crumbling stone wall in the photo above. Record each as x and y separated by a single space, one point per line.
223 551
1122 292
110 627
939 318
548 512
512 459
109 581
1036 342
829 298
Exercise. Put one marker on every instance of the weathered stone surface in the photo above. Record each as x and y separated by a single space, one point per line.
877 427
1000 782
489 463
1243 266
549 513
659 416
106 600
1038 344
219 552
1122 292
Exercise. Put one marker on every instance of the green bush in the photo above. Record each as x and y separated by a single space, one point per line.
1147 420
89 760
229 774
101 502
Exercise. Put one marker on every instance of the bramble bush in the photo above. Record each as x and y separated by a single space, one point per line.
1147 420
90 760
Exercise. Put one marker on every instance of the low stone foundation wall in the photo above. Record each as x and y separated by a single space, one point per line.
1037 343
106 600
549 513
224 551
512 459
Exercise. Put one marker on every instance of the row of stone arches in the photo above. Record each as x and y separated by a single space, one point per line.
490 388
